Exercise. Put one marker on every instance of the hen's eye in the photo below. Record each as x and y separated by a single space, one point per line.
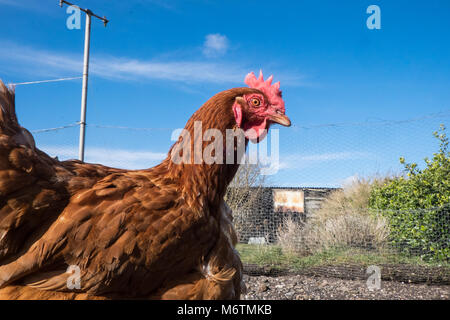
255 102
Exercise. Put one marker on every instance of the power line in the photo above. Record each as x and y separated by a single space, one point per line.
442 114
56 128
127 128
44 81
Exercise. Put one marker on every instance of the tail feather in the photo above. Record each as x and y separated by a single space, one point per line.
8 118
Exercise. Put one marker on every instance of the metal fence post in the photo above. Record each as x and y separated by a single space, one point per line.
85 87
87 37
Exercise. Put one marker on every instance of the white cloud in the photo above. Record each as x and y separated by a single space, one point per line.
117 158
347 182
45 63
181 71
36 63
215 45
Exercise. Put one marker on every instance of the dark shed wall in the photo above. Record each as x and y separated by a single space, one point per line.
263 221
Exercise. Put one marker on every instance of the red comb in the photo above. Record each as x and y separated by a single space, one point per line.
272 91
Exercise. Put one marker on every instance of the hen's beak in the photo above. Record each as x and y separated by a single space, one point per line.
280 119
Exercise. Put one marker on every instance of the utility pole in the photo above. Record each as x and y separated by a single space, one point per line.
87 37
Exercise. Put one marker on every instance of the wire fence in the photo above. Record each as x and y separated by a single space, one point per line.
313 214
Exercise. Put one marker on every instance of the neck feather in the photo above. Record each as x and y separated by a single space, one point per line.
202 181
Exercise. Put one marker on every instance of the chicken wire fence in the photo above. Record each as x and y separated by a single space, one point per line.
311 215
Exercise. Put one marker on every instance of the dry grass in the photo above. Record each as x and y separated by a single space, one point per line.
291 236
344 220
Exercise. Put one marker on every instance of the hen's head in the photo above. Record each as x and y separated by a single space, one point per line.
255 112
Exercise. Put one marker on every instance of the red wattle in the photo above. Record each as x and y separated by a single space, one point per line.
255 131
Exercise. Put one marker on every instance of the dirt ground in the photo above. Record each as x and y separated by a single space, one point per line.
303 287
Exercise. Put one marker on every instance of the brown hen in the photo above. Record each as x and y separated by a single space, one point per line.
160 233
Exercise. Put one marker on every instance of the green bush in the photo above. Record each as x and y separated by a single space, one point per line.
417 205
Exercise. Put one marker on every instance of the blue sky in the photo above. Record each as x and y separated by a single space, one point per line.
157 61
